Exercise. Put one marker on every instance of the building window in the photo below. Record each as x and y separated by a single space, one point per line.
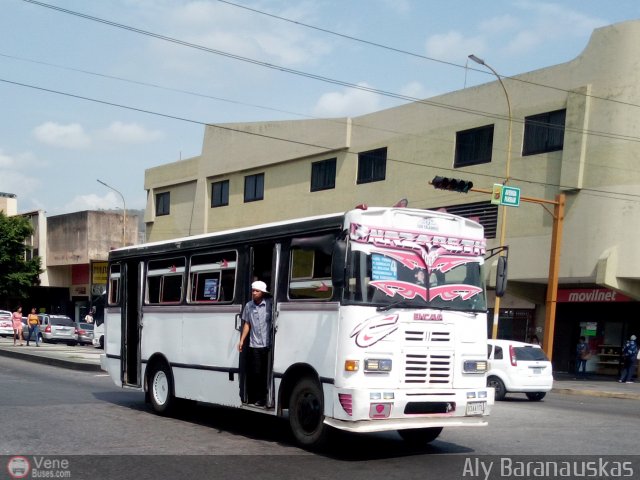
544 132
163 200
220 193
323 175
254 187
474 146
372 165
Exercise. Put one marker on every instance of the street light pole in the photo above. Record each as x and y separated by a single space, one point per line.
503 224
124 212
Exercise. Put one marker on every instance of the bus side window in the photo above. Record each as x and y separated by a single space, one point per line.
310 275
114 284
212 277
165 280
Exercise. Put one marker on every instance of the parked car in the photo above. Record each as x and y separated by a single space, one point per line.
517 367
6 325
85 333
58 328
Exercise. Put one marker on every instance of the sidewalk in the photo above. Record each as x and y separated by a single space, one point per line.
596 386
88 358
79 357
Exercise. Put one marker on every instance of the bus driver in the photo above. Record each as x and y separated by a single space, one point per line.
256 318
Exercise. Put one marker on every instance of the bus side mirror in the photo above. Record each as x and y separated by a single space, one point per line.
501 276
337 265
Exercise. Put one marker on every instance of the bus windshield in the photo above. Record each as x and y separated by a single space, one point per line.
401 278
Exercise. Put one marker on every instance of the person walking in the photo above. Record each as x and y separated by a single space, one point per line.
256 318
16 318
582 355
629 358
34 327
89 317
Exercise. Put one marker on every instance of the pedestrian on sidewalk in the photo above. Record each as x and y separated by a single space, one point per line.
629 357
34 327
582 355
16 318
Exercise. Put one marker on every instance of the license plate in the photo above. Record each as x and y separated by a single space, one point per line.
537 371
475 408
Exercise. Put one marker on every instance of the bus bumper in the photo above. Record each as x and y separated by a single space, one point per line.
376 411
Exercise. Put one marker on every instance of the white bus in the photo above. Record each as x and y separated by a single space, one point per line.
379 321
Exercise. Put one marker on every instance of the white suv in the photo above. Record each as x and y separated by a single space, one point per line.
518 367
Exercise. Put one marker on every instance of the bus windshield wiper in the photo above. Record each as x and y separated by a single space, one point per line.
384 308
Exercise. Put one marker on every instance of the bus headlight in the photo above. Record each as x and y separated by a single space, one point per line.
474 366
377 365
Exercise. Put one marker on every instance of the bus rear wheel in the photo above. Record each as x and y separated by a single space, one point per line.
306 414
160 389
420 436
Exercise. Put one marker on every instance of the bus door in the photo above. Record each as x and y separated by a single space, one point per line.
263 262
131 321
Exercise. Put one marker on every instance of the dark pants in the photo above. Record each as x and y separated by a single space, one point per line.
257 374
581 364
629 367
33 329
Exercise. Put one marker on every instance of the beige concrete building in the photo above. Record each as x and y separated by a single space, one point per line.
575 129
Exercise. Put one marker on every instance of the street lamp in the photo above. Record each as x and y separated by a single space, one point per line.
503 225
124 212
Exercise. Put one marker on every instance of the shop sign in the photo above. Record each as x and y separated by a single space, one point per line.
99 273
591 295
79 290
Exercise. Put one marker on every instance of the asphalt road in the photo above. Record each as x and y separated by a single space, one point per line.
50 411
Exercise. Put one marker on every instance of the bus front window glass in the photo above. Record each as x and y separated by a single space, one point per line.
384 277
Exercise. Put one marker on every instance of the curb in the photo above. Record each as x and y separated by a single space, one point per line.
55 362
597 393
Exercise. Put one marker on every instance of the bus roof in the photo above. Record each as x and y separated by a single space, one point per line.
318 223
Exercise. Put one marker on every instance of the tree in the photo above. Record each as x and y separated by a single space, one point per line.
16 273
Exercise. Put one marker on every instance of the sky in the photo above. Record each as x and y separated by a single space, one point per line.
106 89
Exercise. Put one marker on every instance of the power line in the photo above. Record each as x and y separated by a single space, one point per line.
271 137
165 115
265 64
417 55
315 76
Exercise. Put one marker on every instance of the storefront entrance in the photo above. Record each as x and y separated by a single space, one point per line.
605 318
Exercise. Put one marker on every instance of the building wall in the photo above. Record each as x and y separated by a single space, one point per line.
599 91
8 203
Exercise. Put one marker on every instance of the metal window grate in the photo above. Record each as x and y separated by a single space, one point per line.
484 213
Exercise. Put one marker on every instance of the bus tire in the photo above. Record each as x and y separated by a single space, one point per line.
420 436
160 389
306 414
498 385
102 342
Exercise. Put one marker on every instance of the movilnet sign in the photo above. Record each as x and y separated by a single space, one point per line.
591 295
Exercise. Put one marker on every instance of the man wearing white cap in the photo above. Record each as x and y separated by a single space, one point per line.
629 356
256 318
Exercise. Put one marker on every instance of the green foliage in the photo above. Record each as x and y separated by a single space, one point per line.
16 273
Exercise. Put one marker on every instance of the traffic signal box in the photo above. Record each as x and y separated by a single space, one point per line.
452 184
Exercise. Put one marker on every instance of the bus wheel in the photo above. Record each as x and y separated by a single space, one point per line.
419 436
161 389
306 414
501 390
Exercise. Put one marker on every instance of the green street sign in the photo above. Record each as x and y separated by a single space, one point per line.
510 196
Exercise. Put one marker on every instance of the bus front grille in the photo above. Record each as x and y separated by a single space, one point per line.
428 369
